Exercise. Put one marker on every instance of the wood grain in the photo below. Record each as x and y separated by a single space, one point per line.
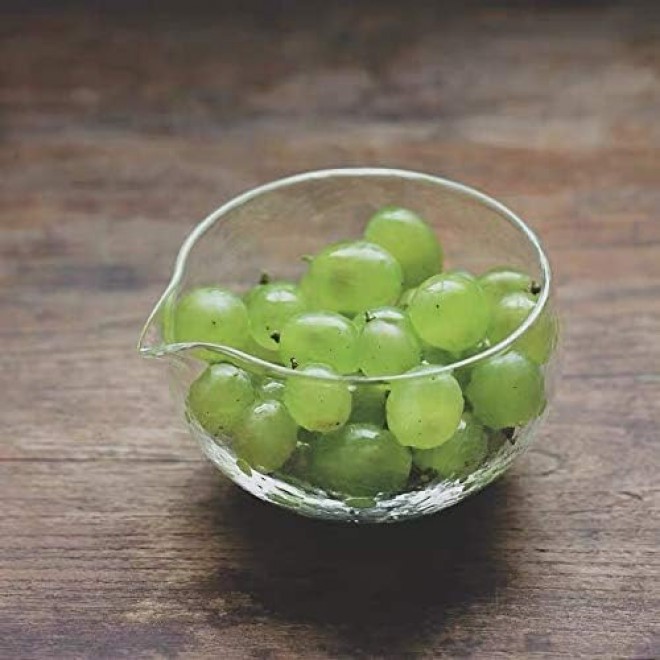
120 127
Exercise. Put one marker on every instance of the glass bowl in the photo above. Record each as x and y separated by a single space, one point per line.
269 230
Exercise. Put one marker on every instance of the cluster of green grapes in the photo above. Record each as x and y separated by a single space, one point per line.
378 307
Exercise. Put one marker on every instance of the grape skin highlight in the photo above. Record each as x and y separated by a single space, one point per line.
384 313
270 388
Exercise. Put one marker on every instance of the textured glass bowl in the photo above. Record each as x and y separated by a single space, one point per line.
269 229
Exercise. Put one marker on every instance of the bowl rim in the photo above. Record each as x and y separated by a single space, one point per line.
162 350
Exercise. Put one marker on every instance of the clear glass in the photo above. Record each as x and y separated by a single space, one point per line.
269 229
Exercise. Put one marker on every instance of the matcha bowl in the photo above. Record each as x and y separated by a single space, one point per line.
360 345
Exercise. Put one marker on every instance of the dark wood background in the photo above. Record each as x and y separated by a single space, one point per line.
122 125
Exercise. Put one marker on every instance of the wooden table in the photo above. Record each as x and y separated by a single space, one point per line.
121 128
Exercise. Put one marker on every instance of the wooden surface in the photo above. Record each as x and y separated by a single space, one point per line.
120 129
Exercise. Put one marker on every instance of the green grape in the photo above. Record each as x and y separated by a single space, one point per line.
351 277
499 282
270 308
387 349
308 292
461 455
406 297
248 295
506 390
385 313
269 388
462 374
218 398
388 343
318 404
320 337
211 315
359 460
450 311
433 355
509 313
262 353
424 411
251 293
266 436
369 404
409 239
